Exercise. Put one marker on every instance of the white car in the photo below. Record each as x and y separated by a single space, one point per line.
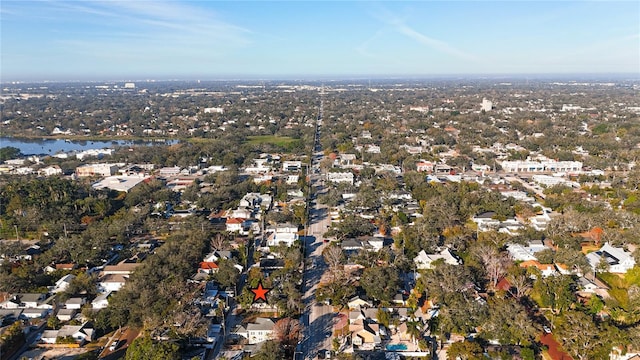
114 345
546 329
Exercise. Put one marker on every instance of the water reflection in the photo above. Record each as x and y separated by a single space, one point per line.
52 146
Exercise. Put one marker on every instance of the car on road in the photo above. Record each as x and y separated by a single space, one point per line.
325 240
114 345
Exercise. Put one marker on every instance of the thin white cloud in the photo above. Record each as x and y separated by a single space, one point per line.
162 19
400 26
438 45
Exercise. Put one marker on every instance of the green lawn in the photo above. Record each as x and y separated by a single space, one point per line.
270 139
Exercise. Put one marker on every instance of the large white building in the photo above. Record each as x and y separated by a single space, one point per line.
541 166
340 177
486 105
119 183
618 260
96 170
547 180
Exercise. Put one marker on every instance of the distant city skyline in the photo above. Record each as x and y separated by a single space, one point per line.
114 40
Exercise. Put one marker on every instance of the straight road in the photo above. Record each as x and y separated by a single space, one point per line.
319 318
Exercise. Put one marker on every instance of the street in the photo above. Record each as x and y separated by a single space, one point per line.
319 317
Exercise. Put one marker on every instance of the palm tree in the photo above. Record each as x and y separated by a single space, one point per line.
413 329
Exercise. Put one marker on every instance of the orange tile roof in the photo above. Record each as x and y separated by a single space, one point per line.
207 265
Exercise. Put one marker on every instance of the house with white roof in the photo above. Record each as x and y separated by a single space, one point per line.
282 233
63 283
340 177
424 261
619 260
524 253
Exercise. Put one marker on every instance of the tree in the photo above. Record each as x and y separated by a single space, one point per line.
495 263
227 274
465 350
579 335
219 242
509 323
9 152
338 290
333 256
520 284
286 331
144 348
53 322
383 317
380 282
270 350
555 292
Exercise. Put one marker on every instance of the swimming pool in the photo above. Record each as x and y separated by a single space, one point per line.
396 347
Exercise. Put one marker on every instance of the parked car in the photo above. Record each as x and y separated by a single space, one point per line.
114 345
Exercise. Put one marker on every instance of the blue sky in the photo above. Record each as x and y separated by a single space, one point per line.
133 39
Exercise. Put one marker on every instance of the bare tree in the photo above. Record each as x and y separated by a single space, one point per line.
219 242
520 285
333 255
495 262
287 331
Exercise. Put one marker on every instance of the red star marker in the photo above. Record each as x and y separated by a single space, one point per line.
260 293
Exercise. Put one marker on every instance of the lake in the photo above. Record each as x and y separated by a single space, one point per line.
53 146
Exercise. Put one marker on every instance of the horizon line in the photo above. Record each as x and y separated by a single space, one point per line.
338 77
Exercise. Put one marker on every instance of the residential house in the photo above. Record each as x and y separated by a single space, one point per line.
292 166
35 313
351 245
425 261
403 332
9 316
101 301
292 179
617 259
260 330
340 177
28 300
63 267
51 170
217 255
365 335
75 303
270 264
169 171
282 233
235 224
66 314
111 282
587 285
545 269
485 221
207 267
124 267
424 166
81 333
347 159
525 253
63 283
358 302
